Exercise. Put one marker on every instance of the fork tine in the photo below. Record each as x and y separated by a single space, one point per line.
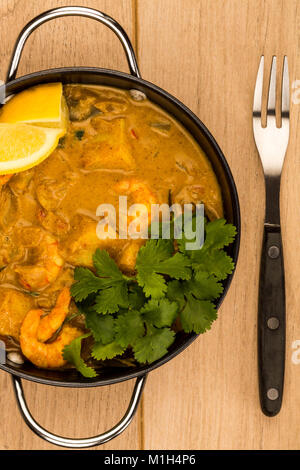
285 94
258 88
271 107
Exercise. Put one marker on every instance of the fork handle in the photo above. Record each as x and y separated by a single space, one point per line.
271 321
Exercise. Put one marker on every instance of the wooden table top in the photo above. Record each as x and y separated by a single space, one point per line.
206 53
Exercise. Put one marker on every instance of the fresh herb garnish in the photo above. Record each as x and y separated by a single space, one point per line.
72 354
31 293
61 142
79 134
166 126
156 259
153 345
138 312
111 287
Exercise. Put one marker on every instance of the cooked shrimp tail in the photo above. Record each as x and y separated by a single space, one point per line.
50 323
46 356
40 275
35 330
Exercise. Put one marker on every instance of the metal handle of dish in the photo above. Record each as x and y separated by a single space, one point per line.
85 442
72 11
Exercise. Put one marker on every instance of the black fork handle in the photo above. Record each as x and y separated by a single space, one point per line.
271 321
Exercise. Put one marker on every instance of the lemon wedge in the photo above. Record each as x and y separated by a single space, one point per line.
31 124
42 105
23 146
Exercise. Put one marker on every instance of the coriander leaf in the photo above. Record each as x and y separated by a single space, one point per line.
197 315
153 284
102 351
218 234
129 327
111 299
160 312
175 293
71 353
105 266
153 345
112 289
178 267
86 305
102 327
155 249
215 262
136 296
156 258
87 283
203 286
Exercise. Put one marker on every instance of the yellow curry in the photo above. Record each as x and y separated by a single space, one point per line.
115 145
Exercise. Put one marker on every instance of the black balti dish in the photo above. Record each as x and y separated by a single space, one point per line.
133 81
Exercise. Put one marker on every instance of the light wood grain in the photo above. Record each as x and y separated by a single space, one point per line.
65 42
207 53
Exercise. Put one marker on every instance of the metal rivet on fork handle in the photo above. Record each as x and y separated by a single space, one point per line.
272 394
273 323
273 252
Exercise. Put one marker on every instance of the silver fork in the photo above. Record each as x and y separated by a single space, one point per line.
271 142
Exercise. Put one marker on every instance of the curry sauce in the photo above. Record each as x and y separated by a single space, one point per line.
115 145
